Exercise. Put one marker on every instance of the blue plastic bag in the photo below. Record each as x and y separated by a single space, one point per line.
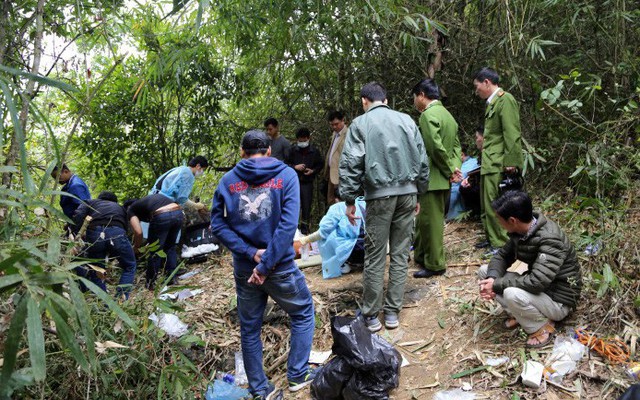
221 390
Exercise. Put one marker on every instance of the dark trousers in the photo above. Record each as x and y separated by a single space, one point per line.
306 200
163 230
110 241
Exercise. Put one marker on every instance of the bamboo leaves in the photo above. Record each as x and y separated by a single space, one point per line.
35 337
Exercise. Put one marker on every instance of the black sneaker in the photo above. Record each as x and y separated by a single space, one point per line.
294 386
427 273
482 244
271 394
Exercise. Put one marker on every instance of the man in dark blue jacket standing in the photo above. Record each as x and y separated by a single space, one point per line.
255 214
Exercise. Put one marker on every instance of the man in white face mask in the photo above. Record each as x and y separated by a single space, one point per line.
177 183
307 161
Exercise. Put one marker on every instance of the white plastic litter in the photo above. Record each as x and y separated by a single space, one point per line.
188 252
494 362
456 394
241 374
532 374
181 295
189 274
170 323
563 359
319 357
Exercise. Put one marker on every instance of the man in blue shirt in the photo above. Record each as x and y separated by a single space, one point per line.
456 204
255 215
177 183
73 185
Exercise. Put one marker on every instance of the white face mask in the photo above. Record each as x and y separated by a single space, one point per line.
199 173
302 145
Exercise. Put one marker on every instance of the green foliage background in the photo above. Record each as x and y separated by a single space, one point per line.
122 91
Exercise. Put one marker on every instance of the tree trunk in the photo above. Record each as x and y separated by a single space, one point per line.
28 94
4 28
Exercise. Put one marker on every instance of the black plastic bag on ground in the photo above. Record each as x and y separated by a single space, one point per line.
333 377
363 350
376 362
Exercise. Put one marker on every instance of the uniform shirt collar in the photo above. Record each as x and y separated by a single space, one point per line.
433 103
495 92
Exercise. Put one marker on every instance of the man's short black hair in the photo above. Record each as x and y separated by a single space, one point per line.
270 121
198 160
109 196
514 203
64 168
487 73
428 87
479 129
373 91
255 141
335 114
464 148
303 133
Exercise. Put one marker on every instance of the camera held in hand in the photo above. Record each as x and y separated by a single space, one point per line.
511 181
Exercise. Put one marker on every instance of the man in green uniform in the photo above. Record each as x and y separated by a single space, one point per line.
501 152
440 134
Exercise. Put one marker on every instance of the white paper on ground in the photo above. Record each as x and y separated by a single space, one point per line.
532 374
319 357
405 362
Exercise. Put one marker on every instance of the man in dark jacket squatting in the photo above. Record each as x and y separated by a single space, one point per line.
549 288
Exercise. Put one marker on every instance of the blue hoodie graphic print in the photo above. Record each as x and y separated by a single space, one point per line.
256 206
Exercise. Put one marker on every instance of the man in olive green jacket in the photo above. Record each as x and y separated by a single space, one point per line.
440 134
384 155
502 149
550 284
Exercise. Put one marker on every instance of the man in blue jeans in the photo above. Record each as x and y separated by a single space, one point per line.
106 236
255 214
165 218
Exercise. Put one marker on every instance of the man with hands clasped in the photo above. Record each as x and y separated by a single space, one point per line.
255 215
549 288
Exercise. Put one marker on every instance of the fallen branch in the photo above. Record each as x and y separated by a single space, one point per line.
467 264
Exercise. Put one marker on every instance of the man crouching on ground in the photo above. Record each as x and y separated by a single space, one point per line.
255 214
550 287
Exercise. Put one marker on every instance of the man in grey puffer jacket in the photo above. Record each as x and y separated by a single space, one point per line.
384 155
550 287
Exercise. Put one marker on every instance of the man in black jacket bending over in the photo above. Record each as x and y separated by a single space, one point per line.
106 236
550 286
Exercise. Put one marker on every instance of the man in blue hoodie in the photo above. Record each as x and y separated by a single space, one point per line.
255 214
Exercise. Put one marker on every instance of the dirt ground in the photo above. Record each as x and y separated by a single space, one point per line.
445 331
